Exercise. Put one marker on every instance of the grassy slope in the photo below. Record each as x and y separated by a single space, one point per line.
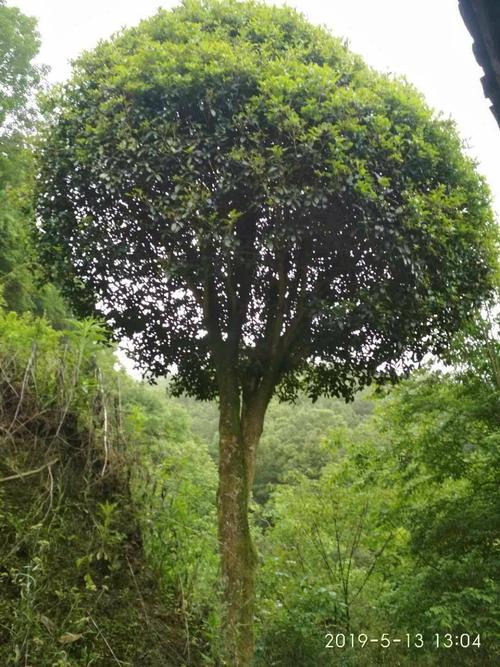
75 589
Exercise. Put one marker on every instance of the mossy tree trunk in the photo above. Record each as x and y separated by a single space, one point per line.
239 432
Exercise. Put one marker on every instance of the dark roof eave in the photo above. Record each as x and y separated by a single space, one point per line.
482 18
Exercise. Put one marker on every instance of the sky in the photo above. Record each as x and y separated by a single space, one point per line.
425 41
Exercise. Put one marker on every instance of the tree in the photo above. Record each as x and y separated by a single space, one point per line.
444 432
256 209
326 552
19 44
19 78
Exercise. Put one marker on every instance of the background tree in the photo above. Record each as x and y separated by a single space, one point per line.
410 498
249 203
19 79
327 553
443 432
19 44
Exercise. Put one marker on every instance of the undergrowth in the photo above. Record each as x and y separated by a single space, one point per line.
76 588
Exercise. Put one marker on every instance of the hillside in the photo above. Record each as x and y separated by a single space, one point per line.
76 589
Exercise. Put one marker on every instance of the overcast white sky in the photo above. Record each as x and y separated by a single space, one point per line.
426 41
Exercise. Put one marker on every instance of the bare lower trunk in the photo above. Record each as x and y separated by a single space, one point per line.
252 421
237 552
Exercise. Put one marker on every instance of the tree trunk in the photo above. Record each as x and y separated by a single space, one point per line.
252 422
238 556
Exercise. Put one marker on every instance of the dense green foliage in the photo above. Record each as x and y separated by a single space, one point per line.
174 487
449 477
76 530
19 44
22 287
399 534
392 525
20 273
67 527
238 191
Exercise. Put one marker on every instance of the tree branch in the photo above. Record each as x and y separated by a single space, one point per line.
19 475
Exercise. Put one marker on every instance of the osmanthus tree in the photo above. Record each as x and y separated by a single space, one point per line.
256 209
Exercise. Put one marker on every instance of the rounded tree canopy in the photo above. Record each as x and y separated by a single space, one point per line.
235 189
